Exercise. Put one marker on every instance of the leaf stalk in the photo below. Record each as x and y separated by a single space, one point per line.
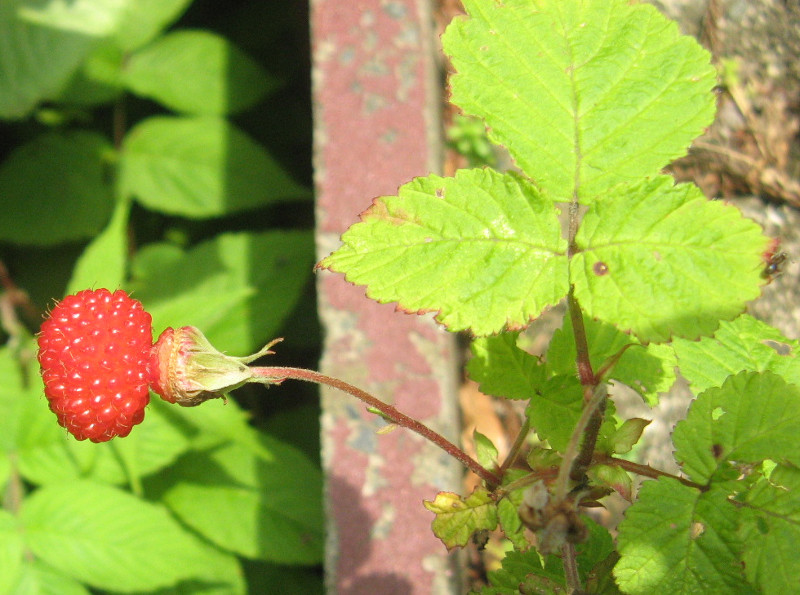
277 374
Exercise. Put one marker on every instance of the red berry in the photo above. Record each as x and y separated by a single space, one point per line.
93 352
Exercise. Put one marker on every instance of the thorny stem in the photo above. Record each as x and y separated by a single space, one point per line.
584 364
277 374
578 463
591 432
589 411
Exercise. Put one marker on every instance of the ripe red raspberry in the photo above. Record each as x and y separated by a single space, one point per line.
93 352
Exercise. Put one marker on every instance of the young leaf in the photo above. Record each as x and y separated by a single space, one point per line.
752 417
485 450
771 530
111 539
647 369
744 343
483 249
613 477
583 94
55 189
197 72
458 518
663 261
627 435
676 539
200 167
502 369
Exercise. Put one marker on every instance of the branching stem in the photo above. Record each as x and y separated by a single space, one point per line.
277 374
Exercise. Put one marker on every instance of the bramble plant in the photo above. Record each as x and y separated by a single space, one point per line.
592 99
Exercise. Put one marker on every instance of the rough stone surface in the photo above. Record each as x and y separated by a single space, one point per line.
376 98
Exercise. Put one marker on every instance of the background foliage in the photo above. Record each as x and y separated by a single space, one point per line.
162 147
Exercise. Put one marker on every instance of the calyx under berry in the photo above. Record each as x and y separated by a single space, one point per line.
186 369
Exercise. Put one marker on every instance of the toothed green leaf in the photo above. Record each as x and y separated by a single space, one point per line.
583 94
482 249
660 261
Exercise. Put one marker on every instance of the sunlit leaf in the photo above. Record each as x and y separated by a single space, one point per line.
583 94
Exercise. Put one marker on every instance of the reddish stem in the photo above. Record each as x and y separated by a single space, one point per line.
646 470
278 374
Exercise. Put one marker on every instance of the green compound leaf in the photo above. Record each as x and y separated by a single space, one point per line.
113 540
751 418
771 532
663 261
200 167
648 369
502 369
676 539
483 249
457 518
583 94
55 189
197 72
744 343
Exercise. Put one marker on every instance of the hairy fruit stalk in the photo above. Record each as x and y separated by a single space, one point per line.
186 369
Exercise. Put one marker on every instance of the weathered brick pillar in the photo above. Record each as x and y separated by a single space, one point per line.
376 93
